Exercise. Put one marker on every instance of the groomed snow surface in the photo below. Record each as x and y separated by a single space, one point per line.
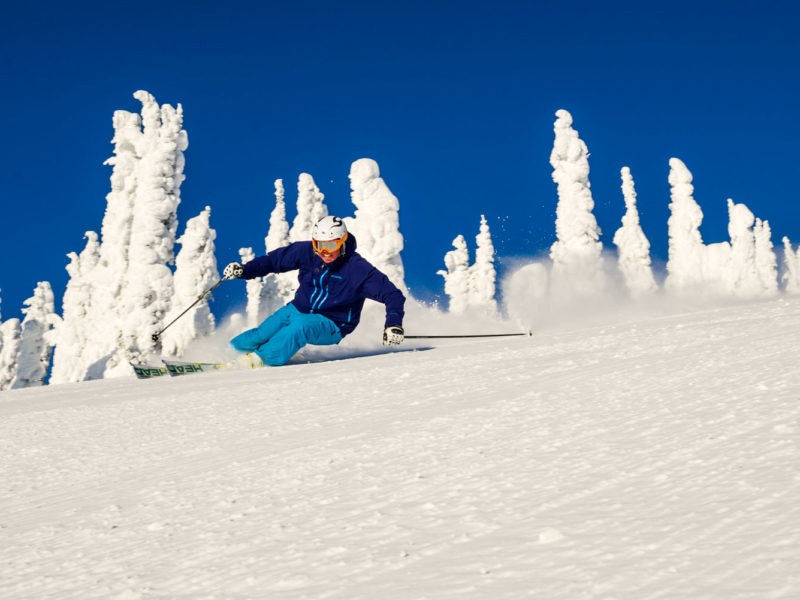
651 457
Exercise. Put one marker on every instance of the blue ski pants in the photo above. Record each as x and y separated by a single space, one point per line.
284 332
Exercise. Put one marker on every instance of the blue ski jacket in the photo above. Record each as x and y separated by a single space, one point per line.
336 290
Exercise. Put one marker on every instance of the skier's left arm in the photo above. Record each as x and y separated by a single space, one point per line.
280 260
378 287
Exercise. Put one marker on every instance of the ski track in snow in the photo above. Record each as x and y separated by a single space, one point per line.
638 460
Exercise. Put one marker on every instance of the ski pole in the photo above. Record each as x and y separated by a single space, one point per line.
202 296
480 335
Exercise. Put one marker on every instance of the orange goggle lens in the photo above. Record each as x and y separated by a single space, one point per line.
329 246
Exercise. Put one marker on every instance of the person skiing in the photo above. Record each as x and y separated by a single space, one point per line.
334 282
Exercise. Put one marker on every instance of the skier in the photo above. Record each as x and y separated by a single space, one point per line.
334 282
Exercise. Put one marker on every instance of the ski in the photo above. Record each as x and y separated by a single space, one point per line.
177 368
148 372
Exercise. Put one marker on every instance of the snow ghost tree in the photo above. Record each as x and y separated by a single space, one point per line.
766 261
791 267
483 276
632 245
10 335
376 224
131 287
278 233
310 208
686 249
76 330
284 284
195 272
742 278
577 253
456 277
149 285
33 355
471 287
746 267
106 281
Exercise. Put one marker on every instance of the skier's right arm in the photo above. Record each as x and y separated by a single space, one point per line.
287 258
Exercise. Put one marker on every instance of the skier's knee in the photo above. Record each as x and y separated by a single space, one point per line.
243 342
274 357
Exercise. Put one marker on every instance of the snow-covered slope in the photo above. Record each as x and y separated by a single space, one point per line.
652 458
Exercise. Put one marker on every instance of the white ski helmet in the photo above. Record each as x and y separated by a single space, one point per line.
329 228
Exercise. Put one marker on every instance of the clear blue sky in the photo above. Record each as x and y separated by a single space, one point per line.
455 100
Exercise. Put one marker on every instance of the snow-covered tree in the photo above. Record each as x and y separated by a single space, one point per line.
310 208
471 287
577 252
33 356
149 285
457 276
74 332
377 223
791 267
633 246
482 275
752 268
195 272
278 233
742 277
285 284
766 261
131 287
107 279
686 249
10 334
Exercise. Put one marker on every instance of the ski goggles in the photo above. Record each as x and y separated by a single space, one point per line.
329 246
